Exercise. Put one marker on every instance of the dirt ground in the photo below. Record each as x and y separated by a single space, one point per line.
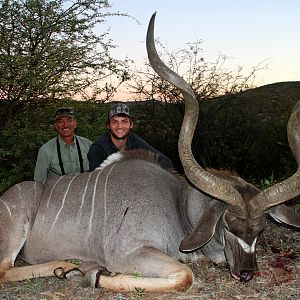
278 255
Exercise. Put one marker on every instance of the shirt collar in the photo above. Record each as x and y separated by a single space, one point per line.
63 143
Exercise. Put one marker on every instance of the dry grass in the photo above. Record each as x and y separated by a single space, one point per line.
278 278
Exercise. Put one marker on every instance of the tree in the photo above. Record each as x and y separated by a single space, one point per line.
49 50
209 81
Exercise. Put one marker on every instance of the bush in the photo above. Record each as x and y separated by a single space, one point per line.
31 129
245 133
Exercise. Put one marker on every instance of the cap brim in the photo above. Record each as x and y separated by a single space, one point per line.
65 115
122 113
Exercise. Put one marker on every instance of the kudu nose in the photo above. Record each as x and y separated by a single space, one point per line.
246 276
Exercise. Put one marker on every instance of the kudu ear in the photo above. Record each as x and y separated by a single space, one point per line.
284 214
203 230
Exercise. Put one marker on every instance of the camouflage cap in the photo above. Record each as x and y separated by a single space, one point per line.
65 112
119 108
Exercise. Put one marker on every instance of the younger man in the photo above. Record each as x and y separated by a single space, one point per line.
119 137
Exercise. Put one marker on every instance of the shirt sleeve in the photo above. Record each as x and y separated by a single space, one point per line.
163 160
96 156
41 166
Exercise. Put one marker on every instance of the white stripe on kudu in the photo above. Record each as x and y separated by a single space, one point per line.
63 202
83 199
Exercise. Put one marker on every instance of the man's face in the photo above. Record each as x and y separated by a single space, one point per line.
65 126
119 126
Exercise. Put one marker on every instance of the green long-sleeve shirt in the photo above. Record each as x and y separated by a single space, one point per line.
47 164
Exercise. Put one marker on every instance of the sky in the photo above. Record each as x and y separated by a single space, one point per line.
247 32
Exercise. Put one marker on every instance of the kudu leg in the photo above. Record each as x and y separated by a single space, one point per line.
178 281
151 270
14 227
17 207
34 271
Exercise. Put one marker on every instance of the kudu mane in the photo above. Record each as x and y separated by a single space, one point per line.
245 189
140 154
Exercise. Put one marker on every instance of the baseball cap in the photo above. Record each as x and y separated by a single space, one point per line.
65 112
119 108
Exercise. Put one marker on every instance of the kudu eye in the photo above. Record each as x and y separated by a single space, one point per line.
233 223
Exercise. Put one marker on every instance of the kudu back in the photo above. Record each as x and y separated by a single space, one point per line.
132 217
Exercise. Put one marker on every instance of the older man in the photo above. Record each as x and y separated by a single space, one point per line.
119 137
66 153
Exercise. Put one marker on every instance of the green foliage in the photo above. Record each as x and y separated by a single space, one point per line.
235 133
48 50
138 294
21 141
18 149
159 125
138 275
247 132
267 182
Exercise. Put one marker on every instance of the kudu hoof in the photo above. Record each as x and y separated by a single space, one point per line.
91 278
60 273
246 276
73 275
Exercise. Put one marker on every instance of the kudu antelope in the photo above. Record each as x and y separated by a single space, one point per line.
133 217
